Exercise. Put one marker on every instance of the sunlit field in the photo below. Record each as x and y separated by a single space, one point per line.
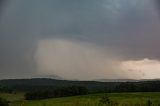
116 99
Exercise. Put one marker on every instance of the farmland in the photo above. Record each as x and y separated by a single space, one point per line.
121 99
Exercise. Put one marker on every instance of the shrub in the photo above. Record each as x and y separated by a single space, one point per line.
105 100
3 102
149 103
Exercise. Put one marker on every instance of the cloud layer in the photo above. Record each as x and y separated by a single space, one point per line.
47 36
72 59
144 69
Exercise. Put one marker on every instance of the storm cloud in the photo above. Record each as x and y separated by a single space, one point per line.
68 38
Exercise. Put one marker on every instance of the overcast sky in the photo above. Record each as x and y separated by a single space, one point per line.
80 39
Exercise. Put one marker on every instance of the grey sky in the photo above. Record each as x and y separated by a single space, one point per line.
130 28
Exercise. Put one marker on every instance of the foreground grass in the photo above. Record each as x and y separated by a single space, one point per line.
123 99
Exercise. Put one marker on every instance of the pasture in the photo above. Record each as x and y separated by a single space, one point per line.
121 99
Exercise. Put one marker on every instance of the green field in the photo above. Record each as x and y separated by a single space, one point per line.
123 99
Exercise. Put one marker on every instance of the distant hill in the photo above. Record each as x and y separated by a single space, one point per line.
23 84
98 85
125 80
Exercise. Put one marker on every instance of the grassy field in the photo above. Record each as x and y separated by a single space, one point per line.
122 99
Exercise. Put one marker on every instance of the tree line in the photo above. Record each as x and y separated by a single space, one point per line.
57 92
146 86
5 89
